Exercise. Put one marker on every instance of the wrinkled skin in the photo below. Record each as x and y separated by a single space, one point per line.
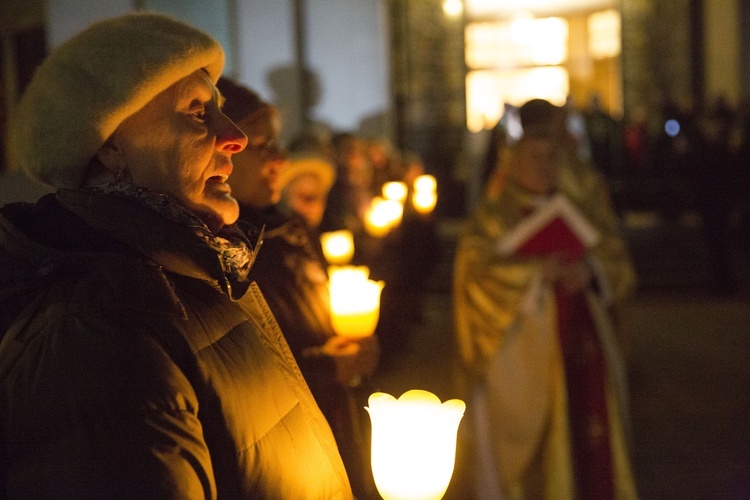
181 144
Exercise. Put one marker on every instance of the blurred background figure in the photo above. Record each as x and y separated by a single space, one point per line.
384 164
292 274
350 194
714 179
604 134
548 412
304 183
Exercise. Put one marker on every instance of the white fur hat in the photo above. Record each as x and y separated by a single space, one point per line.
305 163
90 84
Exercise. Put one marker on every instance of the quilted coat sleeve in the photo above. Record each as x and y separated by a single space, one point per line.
118 418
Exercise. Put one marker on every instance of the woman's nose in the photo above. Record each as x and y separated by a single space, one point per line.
229 137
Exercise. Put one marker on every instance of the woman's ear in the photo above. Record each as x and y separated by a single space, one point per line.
112 156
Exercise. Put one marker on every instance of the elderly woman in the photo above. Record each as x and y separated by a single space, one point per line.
138 361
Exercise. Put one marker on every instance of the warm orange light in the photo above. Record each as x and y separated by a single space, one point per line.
521 41
424 197
395 190
355 301
413 443
338 246
453 8
424 202
604 34
425 183
487 91
512 61
382 216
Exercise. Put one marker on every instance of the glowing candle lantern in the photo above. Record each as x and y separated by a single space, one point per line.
355 301
395 191
413 444
393 210
424 202
342 276
382 216
338 246
424 197
425 183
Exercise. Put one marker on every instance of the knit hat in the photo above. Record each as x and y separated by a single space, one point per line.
90 84
302 163
240 102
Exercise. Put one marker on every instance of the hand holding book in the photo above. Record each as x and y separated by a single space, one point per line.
556 227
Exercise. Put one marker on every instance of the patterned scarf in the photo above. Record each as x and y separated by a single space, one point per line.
230 244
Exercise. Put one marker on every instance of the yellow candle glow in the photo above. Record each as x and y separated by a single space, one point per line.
424 201
341 276
395 190
413 443
382 216
424 183
424 197
355 301
338 246
393 210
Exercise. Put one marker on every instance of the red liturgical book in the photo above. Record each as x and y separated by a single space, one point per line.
555 227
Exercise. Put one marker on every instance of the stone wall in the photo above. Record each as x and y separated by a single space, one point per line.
657 53
428 75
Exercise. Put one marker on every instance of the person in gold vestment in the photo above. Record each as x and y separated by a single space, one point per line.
546 391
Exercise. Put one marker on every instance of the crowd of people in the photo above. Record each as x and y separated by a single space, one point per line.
165 313
681 160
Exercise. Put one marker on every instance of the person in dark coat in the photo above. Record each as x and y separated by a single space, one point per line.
137 358
292 274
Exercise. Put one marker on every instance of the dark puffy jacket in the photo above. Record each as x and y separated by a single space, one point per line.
131 368
291 272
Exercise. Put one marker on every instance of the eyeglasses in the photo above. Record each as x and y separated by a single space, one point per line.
267 148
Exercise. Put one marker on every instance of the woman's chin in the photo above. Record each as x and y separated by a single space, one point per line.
219 211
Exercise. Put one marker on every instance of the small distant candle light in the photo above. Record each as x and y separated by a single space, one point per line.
424 197
395 190
424 183
338 246
382 216
453 8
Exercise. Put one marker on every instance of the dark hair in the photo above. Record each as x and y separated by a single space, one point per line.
241 102
538 112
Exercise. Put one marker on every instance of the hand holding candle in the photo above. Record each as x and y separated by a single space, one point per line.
353 358
355 301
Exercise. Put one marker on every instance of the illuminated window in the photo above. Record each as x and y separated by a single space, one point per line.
489 90
523 41
514 61
604 34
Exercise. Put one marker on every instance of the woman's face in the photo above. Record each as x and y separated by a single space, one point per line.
536 165
255 180
306 196
181 144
